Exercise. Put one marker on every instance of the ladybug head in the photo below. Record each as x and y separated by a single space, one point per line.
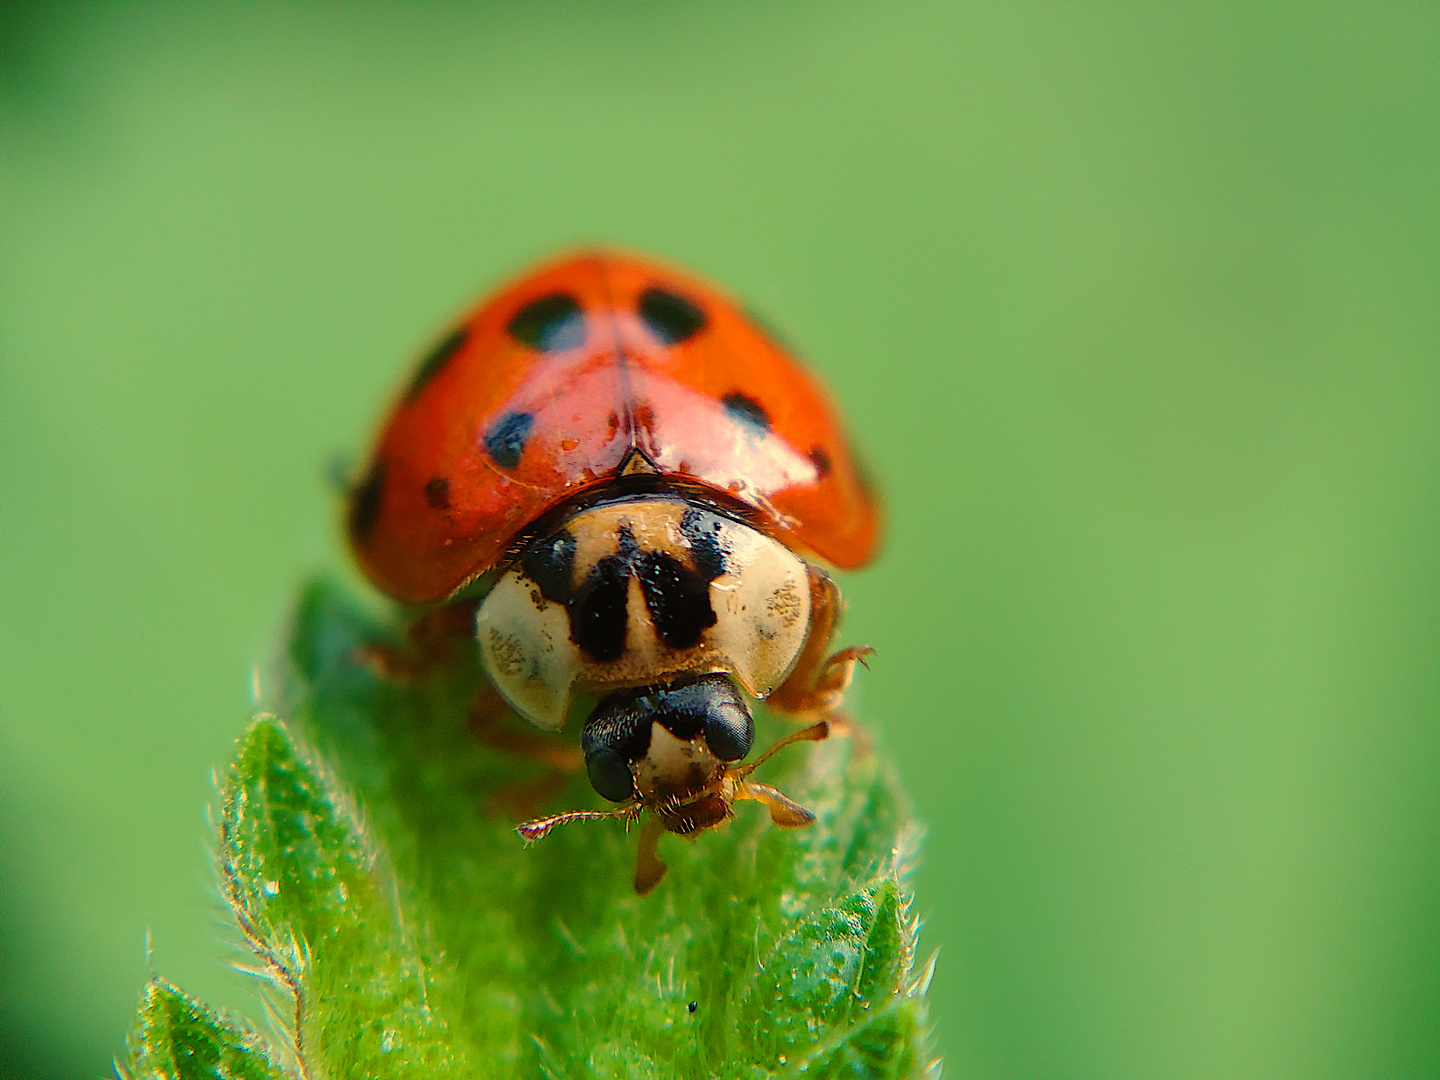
675 750
666 742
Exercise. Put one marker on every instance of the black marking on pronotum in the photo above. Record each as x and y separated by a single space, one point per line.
670 317
598 612
550 563
365 501
625 542
676 596
436 359
821 460
747 410
437 492
702 532
550 324
678 599
506 438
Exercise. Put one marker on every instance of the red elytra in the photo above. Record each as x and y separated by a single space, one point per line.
585 369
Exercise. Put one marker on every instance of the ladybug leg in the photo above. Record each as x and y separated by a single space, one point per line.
487 720
817 686
432 641
784 811
648 867
522 799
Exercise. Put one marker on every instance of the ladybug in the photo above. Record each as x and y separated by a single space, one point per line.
626 487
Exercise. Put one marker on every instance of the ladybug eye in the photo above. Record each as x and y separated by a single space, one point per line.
617 733
712 707
610 775
669 317
729 731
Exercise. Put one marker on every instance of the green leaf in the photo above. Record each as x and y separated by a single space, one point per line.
312 894
177 1038
422 938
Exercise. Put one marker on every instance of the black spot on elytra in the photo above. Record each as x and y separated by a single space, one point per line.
702 532
506 438
437 492
550 324
821 461
747 410
678 599
550 563
436 359
598 612
365 501
693 1006
671 318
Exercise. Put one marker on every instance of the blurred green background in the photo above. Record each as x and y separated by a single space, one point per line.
1134 308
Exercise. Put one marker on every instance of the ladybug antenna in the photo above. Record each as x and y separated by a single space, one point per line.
814 733
540 827
784 811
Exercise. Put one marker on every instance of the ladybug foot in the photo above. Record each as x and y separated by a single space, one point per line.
389 662
486 720
521 799
784 811
839 670
431 643
821 698
843 726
